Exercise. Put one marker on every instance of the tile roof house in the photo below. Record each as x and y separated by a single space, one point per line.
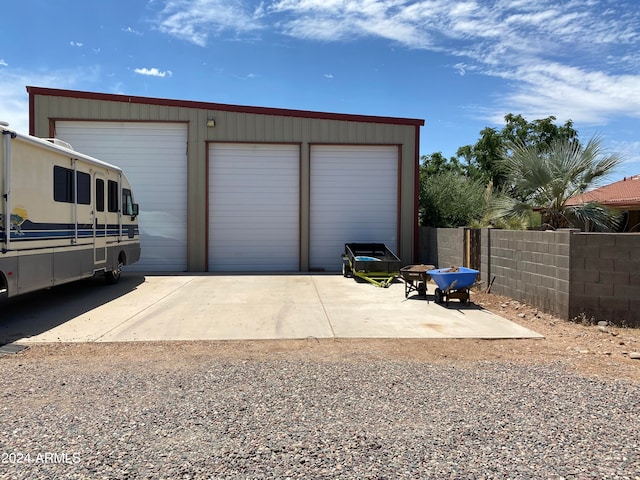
623 195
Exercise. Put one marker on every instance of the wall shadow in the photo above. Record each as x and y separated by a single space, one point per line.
37 312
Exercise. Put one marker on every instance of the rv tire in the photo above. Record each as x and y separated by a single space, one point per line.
112 276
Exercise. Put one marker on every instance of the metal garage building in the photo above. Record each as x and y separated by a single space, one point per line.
227 188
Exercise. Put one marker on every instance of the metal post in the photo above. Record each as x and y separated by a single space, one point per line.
7 188
75 200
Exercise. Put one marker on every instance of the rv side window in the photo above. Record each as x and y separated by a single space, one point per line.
112 191
99 195
127 202
64 186
84 188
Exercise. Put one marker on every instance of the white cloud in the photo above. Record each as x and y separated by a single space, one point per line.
14 101
131 30
197 20
331 20
630 153
328 75
590 97
3 63
461 68
153 72
76 44
575 59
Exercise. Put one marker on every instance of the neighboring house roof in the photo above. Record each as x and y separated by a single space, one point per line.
622 194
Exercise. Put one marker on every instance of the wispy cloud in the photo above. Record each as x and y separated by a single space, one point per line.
328 75
3 63
248 76
14 101
75 44
333 20
131 30
153 72
588 96
461 68
630 152
197 20
533 45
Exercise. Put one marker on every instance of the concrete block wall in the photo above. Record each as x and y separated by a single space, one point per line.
428 244
442 247
605 277
529 266
565 272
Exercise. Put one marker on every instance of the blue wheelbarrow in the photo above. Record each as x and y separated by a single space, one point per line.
453 282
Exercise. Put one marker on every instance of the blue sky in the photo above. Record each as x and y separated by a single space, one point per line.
460 65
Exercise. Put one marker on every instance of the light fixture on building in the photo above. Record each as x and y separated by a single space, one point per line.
211 122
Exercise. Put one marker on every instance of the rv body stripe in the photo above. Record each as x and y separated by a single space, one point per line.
41 231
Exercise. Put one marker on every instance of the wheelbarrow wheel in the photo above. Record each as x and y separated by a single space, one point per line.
465 297
438 295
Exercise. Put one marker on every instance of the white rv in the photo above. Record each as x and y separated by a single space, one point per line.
63 215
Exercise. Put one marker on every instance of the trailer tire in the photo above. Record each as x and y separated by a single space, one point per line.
346 271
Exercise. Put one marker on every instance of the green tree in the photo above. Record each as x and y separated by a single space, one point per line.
543 179
541 133
484 158
469 165
449 199
436 163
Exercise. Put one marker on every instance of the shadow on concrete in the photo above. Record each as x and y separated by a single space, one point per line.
37 312
453 304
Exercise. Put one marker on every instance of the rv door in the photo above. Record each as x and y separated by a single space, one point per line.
100 226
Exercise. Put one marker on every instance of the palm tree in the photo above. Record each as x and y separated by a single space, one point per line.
543 181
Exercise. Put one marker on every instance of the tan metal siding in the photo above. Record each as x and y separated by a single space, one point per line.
232 126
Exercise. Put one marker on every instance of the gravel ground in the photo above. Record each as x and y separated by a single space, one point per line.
565 407
308 409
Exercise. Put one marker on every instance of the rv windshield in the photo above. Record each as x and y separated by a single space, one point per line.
128 207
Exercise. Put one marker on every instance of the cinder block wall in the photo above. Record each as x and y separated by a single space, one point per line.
605 277
428 241
529 266
442 247
567 273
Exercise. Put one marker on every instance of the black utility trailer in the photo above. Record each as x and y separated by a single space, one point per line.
373 262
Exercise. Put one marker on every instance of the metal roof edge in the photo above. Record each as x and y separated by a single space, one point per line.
54 92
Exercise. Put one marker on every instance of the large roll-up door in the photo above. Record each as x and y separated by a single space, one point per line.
354 198
254 207
154 159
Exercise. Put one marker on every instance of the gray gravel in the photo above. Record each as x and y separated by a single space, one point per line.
286 418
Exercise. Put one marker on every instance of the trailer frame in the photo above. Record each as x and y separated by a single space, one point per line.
372 262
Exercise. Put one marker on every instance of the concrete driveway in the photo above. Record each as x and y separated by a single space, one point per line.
231 307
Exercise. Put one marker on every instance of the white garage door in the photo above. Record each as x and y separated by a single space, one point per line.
154 159
254 207
354 198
